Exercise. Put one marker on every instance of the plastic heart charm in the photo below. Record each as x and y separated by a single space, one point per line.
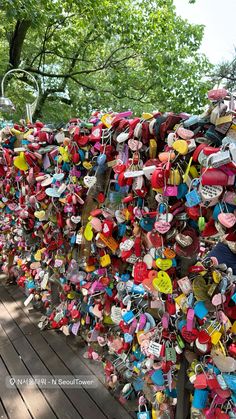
75 219
181 146
88 232
163 283
58 176
126 245
183 240
162 226
168 217
40 215
227 219
164 264
154 238
53 192
184 133
20 162
89 181
96 224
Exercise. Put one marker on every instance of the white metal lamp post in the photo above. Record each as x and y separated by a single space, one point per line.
6 104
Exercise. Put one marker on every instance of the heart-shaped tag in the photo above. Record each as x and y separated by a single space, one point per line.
218 299
96 224
53 192
189 336
162 226
88 232
126 245
75 219
89 181
167 217
164 264
224 363
184 133
134 145
154 238
58 176
181 146
40 215
148 260
47 180
227 219
163 283
20 162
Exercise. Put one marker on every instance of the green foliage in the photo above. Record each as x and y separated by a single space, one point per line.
225 73
87 55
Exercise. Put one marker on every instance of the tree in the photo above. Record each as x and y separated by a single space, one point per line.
225 73
106 54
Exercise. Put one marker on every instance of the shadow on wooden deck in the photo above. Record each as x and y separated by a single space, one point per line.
26 351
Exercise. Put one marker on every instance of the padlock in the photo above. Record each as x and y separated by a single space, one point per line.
105 260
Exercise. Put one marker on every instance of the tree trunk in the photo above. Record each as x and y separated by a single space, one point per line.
17 41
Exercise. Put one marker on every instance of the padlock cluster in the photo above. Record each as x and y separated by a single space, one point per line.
123 230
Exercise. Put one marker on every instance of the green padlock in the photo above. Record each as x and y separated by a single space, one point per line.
201 223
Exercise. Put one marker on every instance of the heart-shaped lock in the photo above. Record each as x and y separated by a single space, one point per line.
183 240
58 176
135 145
52 192
189 336
140 272
88 232
224 363
96 224
181 146
167 217
210 194
162 226
184 133
227 219
126 245
148 260
154 238
89 181
40 215
75 219
20 162
164 264
163 283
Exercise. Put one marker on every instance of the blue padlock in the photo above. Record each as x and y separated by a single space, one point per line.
200 309
200 398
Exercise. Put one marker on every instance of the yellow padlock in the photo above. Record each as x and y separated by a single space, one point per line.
216 277
181 146
175 177
152 149
215 337
233 328
105 260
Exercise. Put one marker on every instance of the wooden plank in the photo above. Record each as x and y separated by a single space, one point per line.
87 407
79 398
2 412
3 338
19 297
55 396
74 359
17 313
7 323
111 408
14 410
31 394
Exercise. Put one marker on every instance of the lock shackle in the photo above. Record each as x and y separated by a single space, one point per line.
192 182
202 368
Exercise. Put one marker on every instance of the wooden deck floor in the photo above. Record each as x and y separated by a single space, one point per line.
26 351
